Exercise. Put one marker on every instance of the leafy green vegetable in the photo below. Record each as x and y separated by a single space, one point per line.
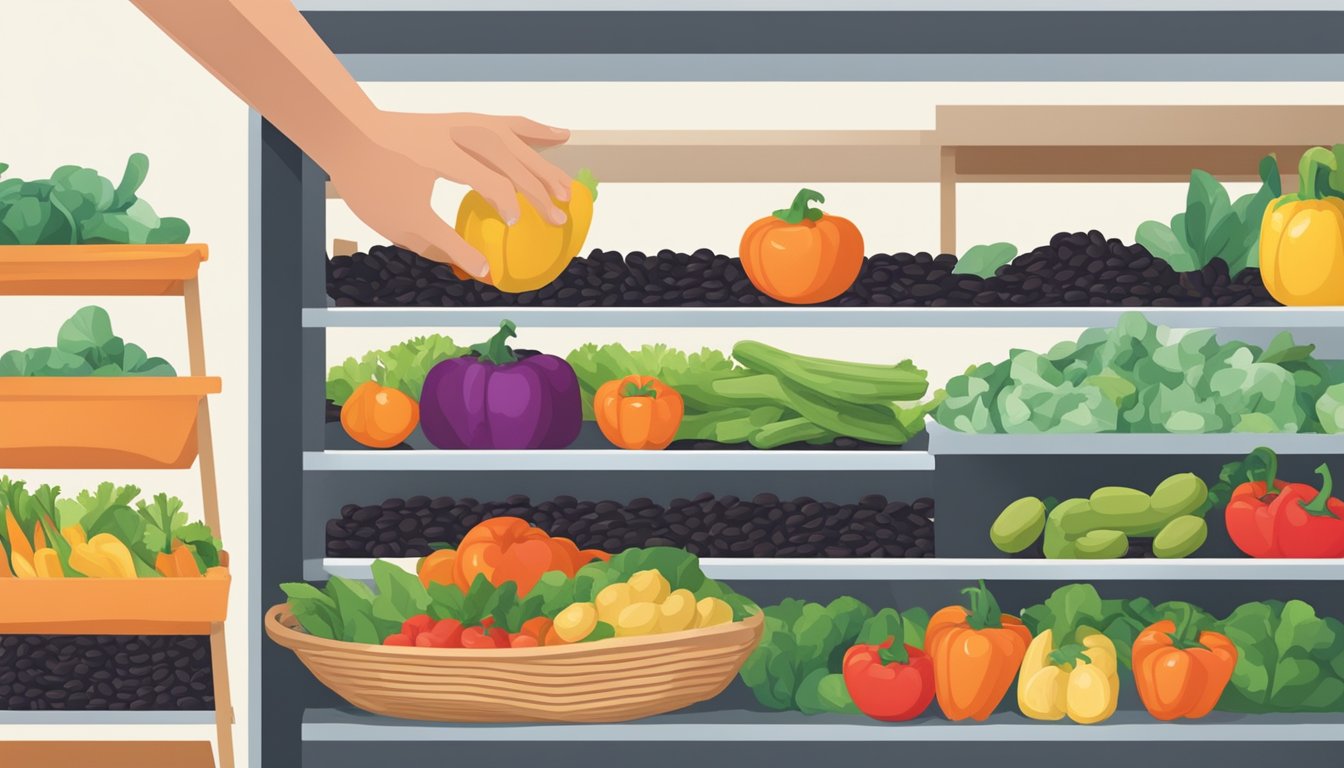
1213 226
1139 377
797 664
985 260
77 205
1330 409
85 346
402 367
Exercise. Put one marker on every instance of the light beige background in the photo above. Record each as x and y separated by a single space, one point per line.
91 81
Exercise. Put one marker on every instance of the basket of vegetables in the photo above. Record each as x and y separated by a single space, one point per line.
94 401
106 562
542 632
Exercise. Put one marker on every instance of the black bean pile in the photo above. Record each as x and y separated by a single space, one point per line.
1075 269
707 525
105 672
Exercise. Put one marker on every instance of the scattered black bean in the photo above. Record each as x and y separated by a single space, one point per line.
120 672
710 526
1075 269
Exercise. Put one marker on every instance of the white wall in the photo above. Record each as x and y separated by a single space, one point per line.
89 82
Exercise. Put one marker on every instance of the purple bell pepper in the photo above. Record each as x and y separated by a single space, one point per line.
493 400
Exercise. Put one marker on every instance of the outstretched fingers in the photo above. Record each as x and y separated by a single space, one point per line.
434 239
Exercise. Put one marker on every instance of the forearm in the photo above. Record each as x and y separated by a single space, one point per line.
266 53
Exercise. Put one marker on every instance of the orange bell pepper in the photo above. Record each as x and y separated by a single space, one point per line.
638 412
178 563
799 255
976 654
1179 675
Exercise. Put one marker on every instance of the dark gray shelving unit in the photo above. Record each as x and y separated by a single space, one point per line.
299 479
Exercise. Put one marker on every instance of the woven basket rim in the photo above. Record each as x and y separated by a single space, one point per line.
281 627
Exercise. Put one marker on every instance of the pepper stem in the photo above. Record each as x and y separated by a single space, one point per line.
796 213
985 611
637 390
1313 173
1320 506
1069 654
585 177
1187 629
894 649
1271 462
496 350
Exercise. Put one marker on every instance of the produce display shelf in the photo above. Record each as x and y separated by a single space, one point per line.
818 317
82 718
745 725
945 569
947 442
100 270
613 460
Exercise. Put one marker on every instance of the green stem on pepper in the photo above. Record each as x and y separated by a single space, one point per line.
1187 630
1271 462
496 350
1069 654
647 390
985 611
1313 172
1320 506
799 210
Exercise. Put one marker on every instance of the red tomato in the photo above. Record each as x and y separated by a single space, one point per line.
417 624
484 637
447 633
398 639
524 641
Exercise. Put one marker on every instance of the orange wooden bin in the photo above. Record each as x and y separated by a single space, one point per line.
148 606
101 270
95 422
101 423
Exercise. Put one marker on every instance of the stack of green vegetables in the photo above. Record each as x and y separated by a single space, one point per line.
78 206
85 346
1139 377
350 610
761 395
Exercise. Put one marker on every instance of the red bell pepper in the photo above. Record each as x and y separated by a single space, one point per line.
1310 522
1250 523
1291 520
891 681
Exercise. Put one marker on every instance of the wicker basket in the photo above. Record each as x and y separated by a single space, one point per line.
614 680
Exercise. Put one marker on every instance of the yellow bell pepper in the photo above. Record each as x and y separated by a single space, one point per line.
1302 237
1078 680
47 564
102 557
532 252
74 534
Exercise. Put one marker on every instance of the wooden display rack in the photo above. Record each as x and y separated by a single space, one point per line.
170 606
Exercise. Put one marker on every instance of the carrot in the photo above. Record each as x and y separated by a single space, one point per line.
18 542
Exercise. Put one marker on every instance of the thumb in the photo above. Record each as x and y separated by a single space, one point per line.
436 241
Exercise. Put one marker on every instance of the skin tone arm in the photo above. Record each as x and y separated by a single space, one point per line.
384 164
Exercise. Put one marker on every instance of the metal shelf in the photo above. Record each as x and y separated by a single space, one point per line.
617 461
708 724
818 317
946 442
124 718
945 569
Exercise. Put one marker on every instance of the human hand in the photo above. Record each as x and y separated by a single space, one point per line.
387 180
